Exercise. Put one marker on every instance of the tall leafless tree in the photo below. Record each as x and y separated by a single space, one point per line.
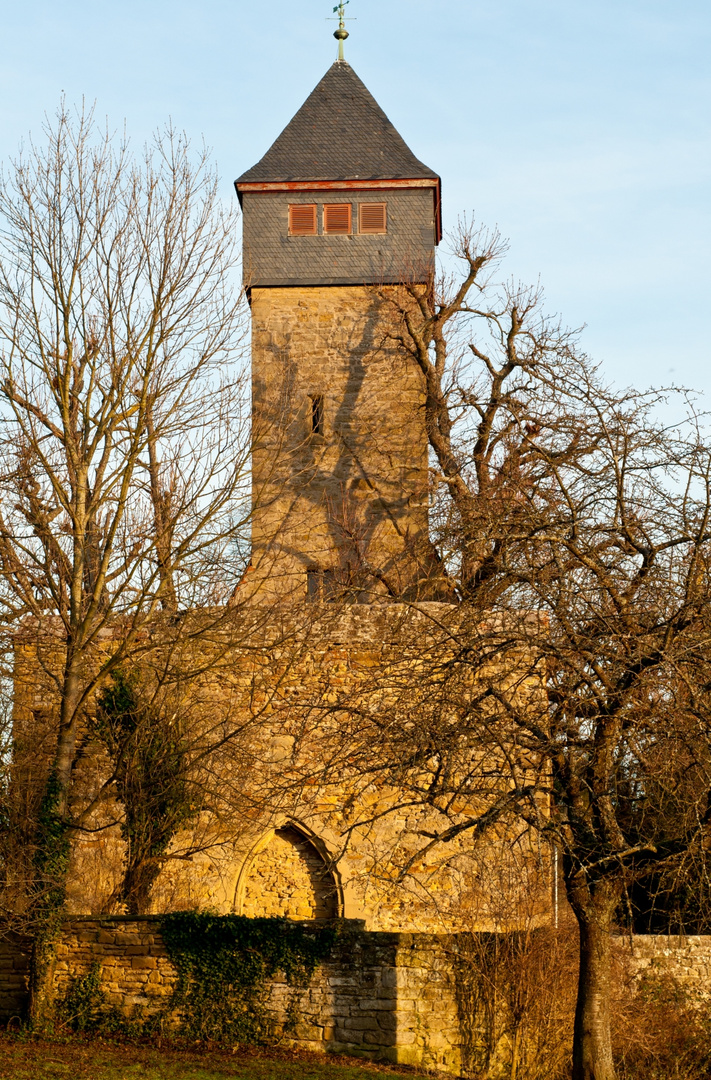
124 440
568 693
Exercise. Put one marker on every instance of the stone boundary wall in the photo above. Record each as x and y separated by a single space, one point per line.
687 958
14 963
385 996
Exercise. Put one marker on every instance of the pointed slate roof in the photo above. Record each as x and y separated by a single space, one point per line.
339 133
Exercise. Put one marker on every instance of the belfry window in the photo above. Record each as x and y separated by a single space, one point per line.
337 218
372 218
317 414
303 220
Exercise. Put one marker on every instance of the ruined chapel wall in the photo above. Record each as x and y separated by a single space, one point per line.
321 654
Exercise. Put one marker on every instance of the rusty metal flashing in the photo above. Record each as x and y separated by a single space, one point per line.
329 185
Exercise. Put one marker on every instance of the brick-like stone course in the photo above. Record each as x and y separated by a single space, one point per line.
384 996
135 969
380 995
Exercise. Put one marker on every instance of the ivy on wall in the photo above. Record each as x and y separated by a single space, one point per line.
83 1008
224 963
51 862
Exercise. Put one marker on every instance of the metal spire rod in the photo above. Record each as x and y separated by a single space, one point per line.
341 34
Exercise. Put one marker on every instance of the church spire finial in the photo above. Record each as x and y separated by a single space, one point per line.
341 34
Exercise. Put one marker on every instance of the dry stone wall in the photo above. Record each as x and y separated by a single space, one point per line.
687 959
14 967
381 996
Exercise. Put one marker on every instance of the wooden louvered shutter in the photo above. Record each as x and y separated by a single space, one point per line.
337 218
372 218
302 219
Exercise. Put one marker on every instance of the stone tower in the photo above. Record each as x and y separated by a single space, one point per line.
339 215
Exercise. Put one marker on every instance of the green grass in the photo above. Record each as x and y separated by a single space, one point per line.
30 1059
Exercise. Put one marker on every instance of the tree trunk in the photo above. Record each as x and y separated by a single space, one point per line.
592 1041
40 998
68 729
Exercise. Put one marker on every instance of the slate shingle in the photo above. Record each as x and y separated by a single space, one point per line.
339 133
404 253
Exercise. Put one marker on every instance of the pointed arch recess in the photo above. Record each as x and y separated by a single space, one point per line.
289 871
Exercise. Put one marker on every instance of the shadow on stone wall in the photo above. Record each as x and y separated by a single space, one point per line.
383 996
288 877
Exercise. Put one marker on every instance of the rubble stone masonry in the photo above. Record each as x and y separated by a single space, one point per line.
383 996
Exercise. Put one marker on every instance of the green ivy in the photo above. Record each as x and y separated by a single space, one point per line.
51 863
51 858
84 1004
84 1009
151 765
223 964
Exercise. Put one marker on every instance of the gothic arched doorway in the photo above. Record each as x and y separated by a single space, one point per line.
288 876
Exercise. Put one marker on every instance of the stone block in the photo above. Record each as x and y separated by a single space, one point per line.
308 1032
386 1001
361 1023
350 1037
122 937
147 962
376 1038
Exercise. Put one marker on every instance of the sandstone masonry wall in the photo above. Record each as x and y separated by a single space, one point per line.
380 996
288 877
355 493
383 996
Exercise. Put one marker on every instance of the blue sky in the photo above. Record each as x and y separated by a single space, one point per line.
581 129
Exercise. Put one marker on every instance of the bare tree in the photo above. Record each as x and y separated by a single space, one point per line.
124 439
568 693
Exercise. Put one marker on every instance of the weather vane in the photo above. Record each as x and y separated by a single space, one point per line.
341 34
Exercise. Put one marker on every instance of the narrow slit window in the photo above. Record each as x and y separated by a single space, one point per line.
332 587
372 218
303 220
337 218
317 414
324 585
314 584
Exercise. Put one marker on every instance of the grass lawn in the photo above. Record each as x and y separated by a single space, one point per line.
31 1059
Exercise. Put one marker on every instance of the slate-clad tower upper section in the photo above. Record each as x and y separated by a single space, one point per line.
339 199
340 227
